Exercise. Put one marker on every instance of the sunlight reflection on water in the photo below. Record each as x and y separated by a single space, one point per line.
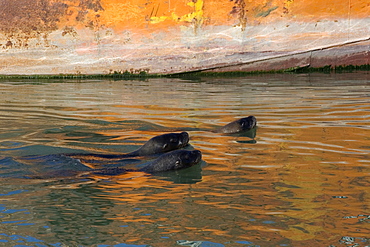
302 181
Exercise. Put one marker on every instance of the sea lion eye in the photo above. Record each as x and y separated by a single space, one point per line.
165 146
177 163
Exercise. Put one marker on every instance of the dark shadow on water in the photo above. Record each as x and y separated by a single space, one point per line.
252 133
189 175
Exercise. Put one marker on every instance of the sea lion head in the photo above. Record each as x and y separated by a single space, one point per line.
174 160
174 141
237 126
187 159
247 123
164 143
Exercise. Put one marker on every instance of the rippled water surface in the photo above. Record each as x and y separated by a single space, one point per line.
302 181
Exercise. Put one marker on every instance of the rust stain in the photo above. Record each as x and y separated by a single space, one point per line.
195 17
240 11
118 35
24 20
33 17
148 16
311 9
255 12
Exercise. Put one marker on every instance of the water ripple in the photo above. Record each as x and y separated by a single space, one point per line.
300 181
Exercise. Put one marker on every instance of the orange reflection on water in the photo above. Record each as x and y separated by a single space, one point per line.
303 180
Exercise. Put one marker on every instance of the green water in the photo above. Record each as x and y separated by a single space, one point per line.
302 181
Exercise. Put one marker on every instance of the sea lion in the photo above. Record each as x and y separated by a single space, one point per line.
237 126
156 145
174 160
162 143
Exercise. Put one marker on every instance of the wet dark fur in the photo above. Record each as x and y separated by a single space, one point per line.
163 143
156 145
174 160
237 126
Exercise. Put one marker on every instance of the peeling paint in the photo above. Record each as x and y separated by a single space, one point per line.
24 20
195 17
265 11
26 23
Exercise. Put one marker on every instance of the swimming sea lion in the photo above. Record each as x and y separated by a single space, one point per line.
162 143
174 160
237 126
156 145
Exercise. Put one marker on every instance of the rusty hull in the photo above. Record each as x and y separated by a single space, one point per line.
102 36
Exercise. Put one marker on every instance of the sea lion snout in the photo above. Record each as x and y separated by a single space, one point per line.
174 160
249 122
190 158
237 126
184 140
198 155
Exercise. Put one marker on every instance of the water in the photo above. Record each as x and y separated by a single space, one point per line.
302 181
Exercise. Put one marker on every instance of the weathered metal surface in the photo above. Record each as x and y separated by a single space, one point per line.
357 53
172 36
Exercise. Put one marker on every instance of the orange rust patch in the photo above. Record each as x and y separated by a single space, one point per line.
23 20
330 9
